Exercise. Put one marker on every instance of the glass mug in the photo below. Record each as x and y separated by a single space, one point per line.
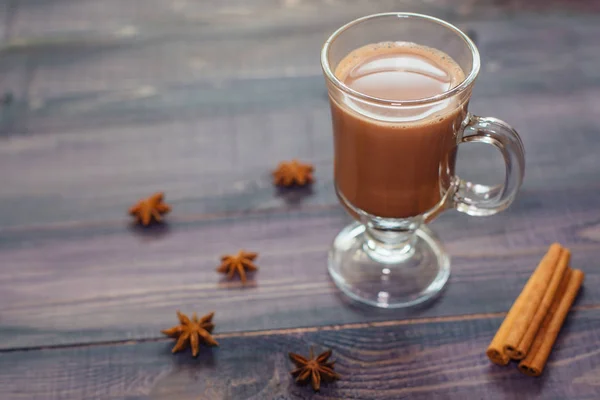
395 161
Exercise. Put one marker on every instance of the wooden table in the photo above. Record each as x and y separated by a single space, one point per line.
104 102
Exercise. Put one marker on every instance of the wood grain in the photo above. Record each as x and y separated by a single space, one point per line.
391 360
87 283
42 18
207 113
141 100
104 102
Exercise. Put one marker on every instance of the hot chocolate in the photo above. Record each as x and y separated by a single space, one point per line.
396 162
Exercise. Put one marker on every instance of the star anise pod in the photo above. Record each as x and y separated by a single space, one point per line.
239 263
314 369
293 173
151 208
192 331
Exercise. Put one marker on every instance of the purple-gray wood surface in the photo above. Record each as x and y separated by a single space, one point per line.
105 101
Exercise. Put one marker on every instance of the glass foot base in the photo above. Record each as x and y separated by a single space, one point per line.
403 280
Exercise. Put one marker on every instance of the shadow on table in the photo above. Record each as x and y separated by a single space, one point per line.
294 195
153 231
184 360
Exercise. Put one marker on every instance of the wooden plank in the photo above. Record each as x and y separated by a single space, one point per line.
270 46
391 360
6 13
47 17
149 74
40 18
180 101
76 154
88 283
96 126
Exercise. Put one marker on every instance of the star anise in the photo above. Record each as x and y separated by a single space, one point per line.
192 331
314 369
293 173
151 208
239 263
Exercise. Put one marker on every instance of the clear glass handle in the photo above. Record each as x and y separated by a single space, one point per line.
481 200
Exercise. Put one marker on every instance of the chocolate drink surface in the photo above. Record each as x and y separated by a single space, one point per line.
396 162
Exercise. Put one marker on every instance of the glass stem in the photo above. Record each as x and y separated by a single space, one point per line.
391 243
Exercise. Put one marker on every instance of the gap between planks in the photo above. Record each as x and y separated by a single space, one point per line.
292 331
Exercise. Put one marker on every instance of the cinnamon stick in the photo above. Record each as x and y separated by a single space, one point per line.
538 318
541 277
535 361
495 350
530 299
